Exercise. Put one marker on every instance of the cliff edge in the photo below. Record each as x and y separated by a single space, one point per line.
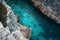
50 8
13 30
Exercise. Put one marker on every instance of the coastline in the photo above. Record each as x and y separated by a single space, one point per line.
26 32
46 11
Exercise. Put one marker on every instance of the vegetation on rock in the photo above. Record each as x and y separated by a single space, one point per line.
3 14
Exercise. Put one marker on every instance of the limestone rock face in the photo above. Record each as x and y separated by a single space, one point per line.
13 31
50 8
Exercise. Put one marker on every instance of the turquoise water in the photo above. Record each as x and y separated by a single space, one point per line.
42 27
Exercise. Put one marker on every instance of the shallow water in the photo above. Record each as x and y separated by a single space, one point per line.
42 27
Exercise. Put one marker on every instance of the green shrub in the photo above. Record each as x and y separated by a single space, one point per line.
3 14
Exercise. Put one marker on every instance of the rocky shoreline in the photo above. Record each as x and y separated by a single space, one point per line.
46 10
13 30
26 32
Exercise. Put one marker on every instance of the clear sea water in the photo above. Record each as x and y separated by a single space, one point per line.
42 27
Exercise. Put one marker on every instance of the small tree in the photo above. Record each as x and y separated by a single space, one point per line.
3 14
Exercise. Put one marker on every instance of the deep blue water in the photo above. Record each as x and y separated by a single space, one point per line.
42 27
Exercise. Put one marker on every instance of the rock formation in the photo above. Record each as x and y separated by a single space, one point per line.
49 8
13 30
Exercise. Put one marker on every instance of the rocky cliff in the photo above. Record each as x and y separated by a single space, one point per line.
49 8
13 30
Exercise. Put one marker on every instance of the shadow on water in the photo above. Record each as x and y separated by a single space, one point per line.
42 27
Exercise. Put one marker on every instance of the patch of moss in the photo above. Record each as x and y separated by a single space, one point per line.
3 14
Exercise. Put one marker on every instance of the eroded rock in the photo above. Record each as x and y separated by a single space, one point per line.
49 8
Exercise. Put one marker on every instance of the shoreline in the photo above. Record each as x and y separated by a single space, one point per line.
26 32
46 11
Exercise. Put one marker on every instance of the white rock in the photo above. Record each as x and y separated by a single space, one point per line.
11 31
